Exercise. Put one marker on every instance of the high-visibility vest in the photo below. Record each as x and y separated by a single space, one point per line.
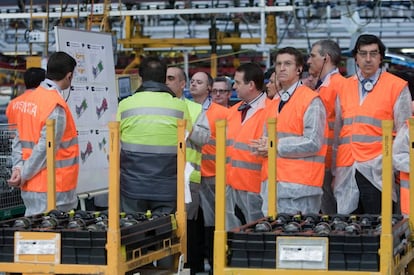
31 118
193 151
194 109
328 96
208 164
157 109
361 134
148 125
306 170
405 193
14 105
244 168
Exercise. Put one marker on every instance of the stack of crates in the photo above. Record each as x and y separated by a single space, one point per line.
84 234
11 203
345 242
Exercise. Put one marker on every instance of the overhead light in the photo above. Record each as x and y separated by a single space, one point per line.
19 53
407 50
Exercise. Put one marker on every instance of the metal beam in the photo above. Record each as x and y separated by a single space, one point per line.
122 13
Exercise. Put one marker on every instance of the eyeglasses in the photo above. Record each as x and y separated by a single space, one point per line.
372 54
220 91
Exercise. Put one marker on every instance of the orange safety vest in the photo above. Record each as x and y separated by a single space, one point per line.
208 162
361 134
308 170
328 97
15 104
33 113
405 193
244 168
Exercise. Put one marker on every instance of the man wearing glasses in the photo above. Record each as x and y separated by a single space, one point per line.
368 97
221 91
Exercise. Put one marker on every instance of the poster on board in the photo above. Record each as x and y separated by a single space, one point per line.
92 100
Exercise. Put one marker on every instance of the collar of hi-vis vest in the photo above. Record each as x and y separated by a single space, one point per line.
152 86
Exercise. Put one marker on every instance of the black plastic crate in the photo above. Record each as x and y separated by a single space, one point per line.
353 241
83 246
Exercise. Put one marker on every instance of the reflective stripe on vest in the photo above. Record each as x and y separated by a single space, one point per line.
193 151
243 168
64 145
211 142
67 162
366 139
27 144
331 124
242 146
67 153
368 120
193 156
328 94
362 121
345 140
405 193
142 148
214 113
153 111
246 165
305 170
208 157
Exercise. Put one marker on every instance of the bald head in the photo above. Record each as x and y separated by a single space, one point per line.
176 80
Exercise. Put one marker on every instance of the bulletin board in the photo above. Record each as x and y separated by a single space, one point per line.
92 99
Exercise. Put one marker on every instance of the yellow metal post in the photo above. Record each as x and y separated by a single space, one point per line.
386 245
181 214
134 63
271 33
220 237
213 69
113 245
272 170
411 137
51 166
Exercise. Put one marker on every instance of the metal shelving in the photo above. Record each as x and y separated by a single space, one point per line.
388 263
116 264
11 203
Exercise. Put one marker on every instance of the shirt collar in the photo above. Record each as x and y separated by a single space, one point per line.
373 77
328 75
207 102
51 85
255 103
292 88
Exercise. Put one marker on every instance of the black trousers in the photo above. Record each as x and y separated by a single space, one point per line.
369 197
195 244
209 239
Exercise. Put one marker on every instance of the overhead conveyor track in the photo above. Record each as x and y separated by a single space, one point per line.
391 20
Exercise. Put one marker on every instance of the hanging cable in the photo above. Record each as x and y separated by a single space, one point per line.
31 26
14 89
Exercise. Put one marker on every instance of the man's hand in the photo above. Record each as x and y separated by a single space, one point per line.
259 147
16 178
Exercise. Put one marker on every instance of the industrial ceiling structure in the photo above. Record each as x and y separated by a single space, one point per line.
215 28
